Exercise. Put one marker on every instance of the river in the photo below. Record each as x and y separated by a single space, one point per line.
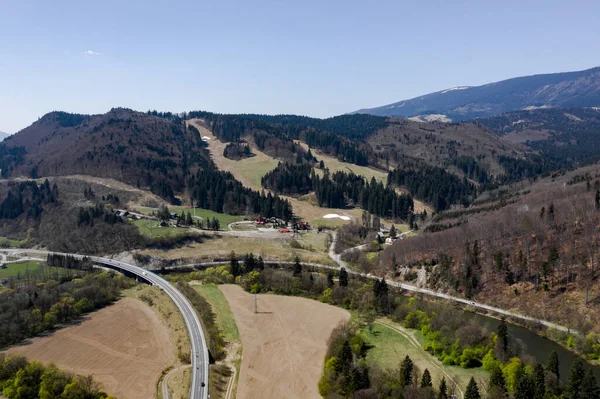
536 346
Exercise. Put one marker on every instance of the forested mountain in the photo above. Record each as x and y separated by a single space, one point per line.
155 153
443 145
278 132
571 136
568 89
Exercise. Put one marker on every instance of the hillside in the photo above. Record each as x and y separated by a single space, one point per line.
128 146
443 145
530 247
568 134
568 89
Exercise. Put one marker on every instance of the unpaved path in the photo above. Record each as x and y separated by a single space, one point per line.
284 344
413 341
166 392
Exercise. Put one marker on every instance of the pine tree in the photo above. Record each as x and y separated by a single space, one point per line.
553 364
297 266
260 264
525 385
235 265
589 387
497 383
539 381
575 381
343 277
330 279
443 389
406 370
426 379
472 391
503 337
393 232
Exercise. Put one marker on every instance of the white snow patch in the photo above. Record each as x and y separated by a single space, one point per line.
431 118
519 121
456 88
532 107
396 106
595 108
335 215
205 138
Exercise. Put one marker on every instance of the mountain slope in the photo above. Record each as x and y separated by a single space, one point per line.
567 134
568 89
129 146
443 145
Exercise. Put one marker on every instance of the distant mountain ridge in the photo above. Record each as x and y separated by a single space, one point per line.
3 135
565 89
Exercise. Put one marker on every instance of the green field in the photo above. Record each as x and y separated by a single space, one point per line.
152 228
391 343
34 266
224 218
8 243
220 306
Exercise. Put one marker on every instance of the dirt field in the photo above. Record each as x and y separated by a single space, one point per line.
124 346
284 344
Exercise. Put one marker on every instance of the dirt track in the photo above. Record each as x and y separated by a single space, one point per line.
284 344
124 346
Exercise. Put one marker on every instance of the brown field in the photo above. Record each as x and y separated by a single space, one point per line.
124 346
284 344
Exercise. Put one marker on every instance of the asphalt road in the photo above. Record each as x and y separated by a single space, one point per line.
199 356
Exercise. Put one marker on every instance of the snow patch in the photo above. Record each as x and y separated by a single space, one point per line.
456 88
205 138
517 122
430 118
396 106
532 107
335 215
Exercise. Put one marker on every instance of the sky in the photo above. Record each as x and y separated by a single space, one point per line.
312 57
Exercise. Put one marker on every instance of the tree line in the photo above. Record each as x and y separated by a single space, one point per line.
343 189
219 191
21 379
433 185
27 197
39 306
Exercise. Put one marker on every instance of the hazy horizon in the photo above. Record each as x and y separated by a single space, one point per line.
311 59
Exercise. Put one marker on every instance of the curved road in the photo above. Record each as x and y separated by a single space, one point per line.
200 359
403 286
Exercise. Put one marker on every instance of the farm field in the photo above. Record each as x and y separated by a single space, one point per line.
127 358
284 344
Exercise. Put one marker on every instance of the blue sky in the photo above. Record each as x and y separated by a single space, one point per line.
317 58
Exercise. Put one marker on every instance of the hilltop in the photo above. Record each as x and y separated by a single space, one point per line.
567 89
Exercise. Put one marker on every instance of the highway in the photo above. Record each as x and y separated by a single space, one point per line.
199 355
